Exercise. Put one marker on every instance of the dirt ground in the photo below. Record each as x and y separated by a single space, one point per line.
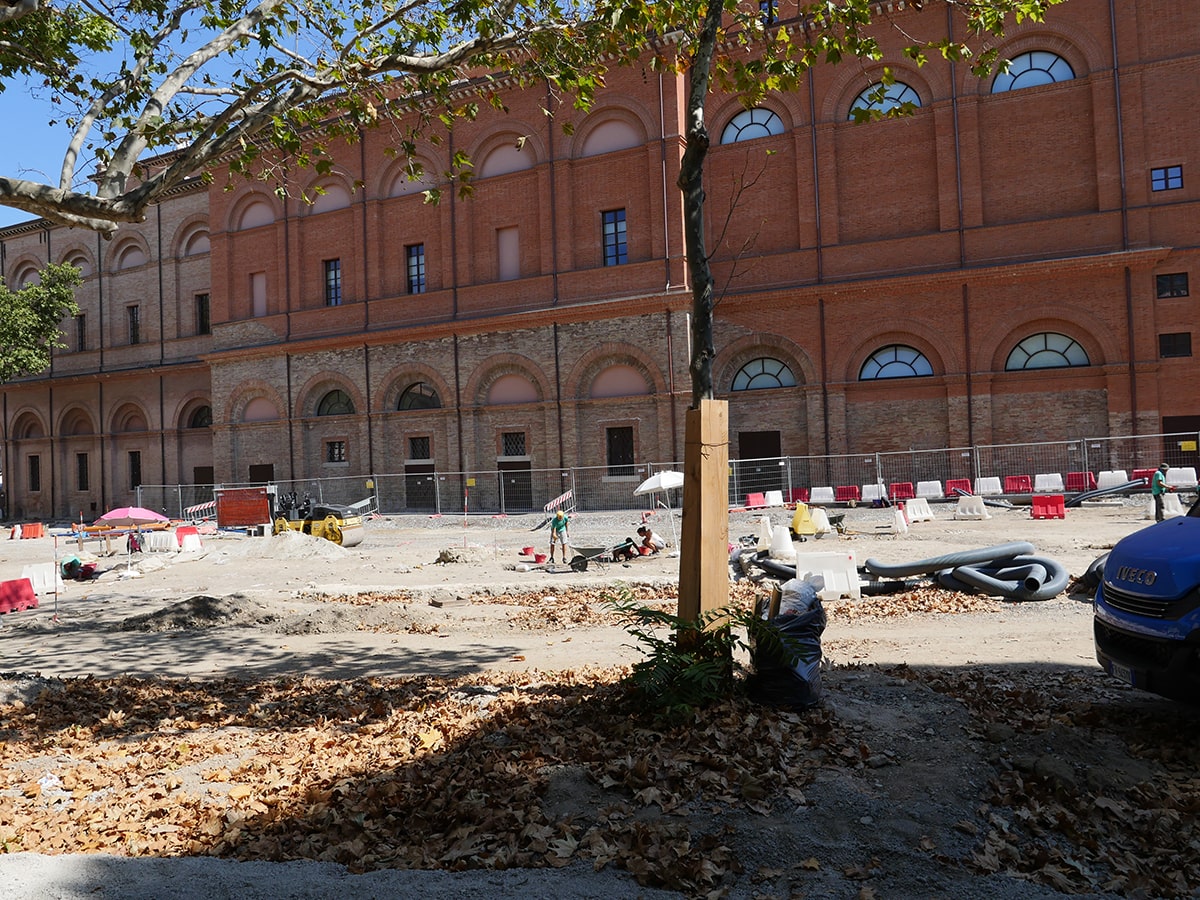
965 746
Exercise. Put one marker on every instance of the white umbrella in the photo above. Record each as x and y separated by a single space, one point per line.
660 481
663 481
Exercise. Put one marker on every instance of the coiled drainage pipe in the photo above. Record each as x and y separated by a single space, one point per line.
1006 570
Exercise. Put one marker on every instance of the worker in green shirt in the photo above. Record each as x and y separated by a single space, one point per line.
1158 487
559 533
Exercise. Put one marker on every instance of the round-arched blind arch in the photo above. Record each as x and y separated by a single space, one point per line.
895 361
1031 69
878 98
419 395
336 403
619 381
260 409
1046 350
750 124
763 372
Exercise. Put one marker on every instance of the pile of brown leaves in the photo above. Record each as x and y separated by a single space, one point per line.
918 601
1065 810
418 773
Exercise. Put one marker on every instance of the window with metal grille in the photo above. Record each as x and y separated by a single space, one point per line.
81 471
81 332
333 282
135 469
512 443
1168 178
133 319
414 255
203 315
615 251
1175 344
335 451
418 447
619 442
35 473
1173 284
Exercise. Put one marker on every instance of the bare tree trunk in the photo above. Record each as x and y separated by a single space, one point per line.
691 184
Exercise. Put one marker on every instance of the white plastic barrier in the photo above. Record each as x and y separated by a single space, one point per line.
161 541
988 487
191 543
820 521
899 522
45 578
929 490
837 571
1183 476
821 495
774 498
1112 478
918 510
1051 483
873 492
1172 506
971 508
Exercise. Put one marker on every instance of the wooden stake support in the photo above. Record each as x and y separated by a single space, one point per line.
704 556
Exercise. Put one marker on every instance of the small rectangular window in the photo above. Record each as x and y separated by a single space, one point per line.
203 315
1174 284
81 332
418 448
1175 345
768 10
512 443
619 442
133 315
81 472
333 282
508 253
615 251
135 469
335 451
258 294
35 474
414 255
1168 178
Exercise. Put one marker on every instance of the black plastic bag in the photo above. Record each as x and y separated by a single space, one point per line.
787 657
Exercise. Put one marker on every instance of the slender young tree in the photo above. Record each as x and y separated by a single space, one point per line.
29 321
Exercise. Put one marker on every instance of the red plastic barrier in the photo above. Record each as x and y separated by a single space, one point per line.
183 531
756 501
16 595
1145 474
1049 506
1018 484
846 492
32 530
798 495
954 485
902 490
1079 482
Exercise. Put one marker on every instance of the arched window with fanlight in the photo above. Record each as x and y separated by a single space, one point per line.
750 124
419 395
895 361
336 403
201 417
1032 69
1047 350
880 98
762 373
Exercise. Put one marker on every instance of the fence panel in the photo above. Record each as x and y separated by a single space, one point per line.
604 489
915 466
1143 451
1045 458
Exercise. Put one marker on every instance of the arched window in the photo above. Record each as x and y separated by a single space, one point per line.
764 372
895 361
1031 69
1048 350
419 396
336 403
200 418
750 124
878 98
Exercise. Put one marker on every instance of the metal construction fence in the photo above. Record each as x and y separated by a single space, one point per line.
514 491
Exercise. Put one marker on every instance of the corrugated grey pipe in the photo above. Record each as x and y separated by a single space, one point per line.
1014 589
999 553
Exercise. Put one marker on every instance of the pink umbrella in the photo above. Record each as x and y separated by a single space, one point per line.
131 516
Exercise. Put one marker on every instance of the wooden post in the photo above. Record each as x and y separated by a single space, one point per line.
704 557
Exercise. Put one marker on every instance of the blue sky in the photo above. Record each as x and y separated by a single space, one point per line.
29 144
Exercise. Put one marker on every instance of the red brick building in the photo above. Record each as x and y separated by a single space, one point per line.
1008 264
